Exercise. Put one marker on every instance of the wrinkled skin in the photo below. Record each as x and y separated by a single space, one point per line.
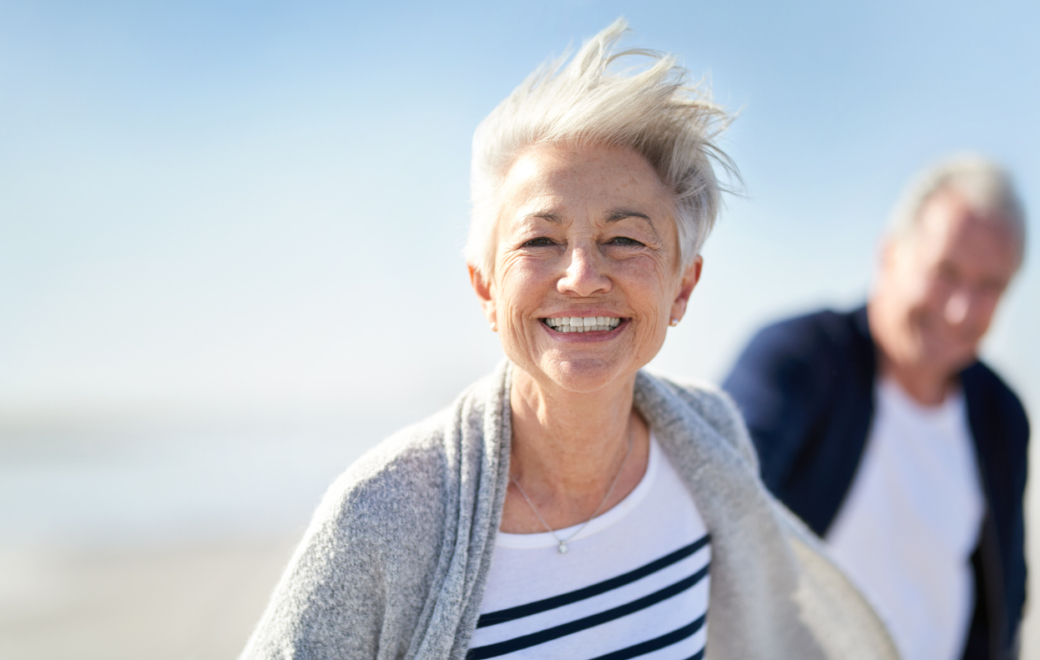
584 232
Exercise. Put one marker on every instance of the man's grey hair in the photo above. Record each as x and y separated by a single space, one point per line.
652 109
986 186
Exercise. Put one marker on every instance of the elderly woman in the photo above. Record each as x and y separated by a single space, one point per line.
571 505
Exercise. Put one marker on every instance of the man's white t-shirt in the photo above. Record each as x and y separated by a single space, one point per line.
633 583
911 520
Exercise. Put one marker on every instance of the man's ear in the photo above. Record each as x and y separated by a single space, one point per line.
483 289
891 251
691 275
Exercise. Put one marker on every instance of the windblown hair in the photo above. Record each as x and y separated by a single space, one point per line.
652 109
986 185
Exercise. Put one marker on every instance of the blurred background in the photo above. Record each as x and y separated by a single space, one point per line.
230 238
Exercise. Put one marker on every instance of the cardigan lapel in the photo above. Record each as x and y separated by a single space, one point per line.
769 585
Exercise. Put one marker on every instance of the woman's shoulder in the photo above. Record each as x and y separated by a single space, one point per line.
706 400
371 545
404 483
401 477
360 579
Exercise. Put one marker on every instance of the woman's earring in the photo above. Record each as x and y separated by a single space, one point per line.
673 322
494 327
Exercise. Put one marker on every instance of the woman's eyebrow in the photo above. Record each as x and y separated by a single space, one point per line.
614 216
543 215
621 214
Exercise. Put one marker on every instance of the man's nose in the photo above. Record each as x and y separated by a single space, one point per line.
957 306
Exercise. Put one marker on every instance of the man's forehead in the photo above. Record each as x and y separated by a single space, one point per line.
949 212
951 227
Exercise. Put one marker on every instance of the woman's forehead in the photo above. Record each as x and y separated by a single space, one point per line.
547 179
562 159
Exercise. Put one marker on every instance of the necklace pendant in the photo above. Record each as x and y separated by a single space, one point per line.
563 548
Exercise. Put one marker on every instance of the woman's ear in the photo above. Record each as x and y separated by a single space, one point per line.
691 275
484 292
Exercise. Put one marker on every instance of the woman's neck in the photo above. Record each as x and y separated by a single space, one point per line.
567 450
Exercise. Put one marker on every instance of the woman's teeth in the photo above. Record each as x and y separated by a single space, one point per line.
583 323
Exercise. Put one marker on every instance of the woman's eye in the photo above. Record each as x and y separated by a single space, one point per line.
623 240
541 241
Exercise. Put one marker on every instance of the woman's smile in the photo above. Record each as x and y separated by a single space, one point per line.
582 324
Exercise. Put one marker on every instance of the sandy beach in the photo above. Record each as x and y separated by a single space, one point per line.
188 601
194 602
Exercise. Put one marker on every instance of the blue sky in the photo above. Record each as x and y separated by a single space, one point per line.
258 208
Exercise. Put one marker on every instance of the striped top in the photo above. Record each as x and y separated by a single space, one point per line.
633 584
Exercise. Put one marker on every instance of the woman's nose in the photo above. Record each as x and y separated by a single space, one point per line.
584 274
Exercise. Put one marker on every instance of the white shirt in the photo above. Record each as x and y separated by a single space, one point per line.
911 520
633 583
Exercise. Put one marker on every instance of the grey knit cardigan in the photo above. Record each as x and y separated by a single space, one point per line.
394 562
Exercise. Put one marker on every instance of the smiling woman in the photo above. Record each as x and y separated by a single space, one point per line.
584 232
571 505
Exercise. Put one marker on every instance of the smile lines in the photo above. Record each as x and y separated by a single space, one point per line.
583 323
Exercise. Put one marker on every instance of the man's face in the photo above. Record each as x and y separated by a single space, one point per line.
942 283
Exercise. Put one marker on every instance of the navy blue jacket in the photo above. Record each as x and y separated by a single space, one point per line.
806 389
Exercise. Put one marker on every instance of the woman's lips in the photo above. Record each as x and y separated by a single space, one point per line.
583 323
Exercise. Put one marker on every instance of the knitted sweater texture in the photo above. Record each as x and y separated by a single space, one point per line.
394 563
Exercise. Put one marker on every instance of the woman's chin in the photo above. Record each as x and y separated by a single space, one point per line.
585 376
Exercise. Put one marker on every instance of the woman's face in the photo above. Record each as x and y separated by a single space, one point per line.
587 270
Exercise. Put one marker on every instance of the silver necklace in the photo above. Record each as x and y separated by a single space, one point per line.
562 547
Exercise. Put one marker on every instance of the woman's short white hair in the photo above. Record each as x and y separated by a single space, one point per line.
652 109
986 186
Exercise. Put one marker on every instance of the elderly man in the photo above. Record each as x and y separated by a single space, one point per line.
885 433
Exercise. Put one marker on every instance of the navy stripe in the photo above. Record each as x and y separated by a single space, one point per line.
549 634
658 643
699 655
528 609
